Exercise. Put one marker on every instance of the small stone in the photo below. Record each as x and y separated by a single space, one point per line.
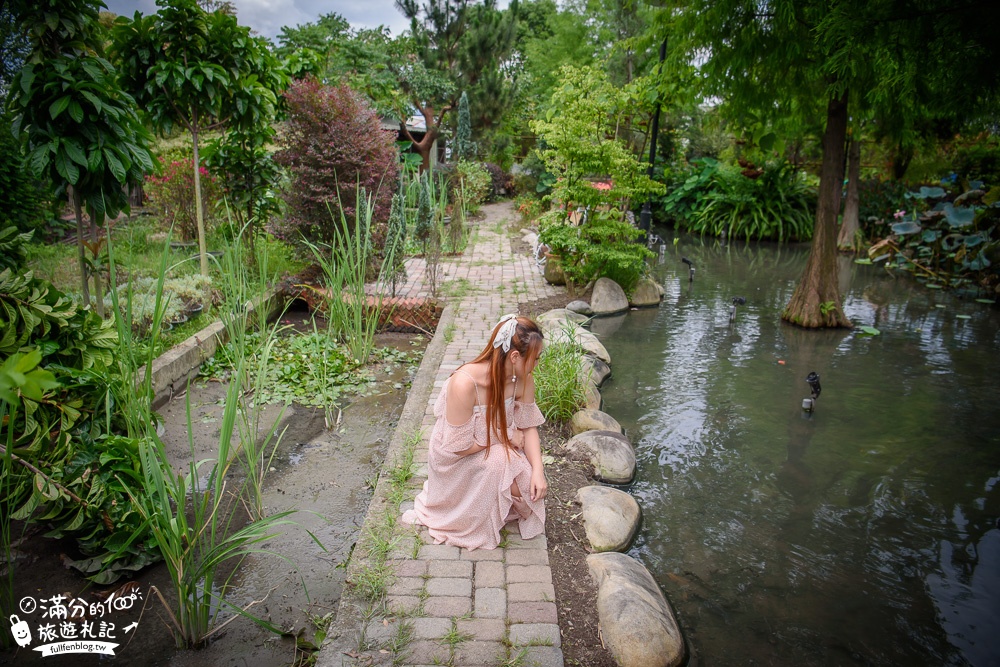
553 272
608 298
610 517
580 306
595 370
592 420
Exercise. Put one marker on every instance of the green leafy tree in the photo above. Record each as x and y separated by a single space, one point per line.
77 126
200 70
778 58
425 213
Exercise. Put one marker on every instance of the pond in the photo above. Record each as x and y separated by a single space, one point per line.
865 532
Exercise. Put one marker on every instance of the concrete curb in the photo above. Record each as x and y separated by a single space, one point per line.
342 635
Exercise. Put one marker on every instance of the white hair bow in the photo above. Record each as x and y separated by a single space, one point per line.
508 323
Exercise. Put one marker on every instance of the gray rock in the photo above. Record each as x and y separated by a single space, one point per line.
637 623
592 396
608 298
557 316
610 453
579 306
531 238
553 272
646 294
593 420
610 517
594 369
564 331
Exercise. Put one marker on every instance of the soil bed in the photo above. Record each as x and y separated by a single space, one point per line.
328 475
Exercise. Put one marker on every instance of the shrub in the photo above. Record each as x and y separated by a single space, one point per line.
500 182
474 180
171 192
979 160
25 203
334 146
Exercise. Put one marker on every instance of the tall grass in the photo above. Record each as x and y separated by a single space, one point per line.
194 523
346 264
559 389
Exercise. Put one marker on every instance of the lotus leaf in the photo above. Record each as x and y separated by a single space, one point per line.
927 193
959 216
975 185
931 235
904 228
869 331
978 264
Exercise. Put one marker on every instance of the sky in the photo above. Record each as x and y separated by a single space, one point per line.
267 17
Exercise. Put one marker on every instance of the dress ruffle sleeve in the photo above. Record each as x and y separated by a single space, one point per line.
527 415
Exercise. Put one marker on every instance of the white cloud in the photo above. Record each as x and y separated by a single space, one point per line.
267 17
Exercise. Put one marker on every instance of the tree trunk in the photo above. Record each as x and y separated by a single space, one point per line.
816 302
95 240
199 214
849 226
78 210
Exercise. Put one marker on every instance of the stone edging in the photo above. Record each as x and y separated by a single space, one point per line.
341 635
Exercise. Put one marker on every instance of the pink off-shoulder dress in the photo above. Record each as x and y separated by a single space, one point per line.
466 500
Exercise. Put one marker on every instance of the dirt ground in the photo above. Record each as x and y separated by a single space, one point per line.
576 593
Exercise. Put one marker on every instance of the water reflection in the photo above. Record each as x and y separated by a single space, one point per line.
865 532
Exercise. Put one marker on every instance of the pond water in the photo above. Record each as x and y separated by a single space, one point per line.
865 532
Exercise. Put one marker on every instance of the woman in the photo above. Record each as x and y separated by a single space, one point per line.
485 458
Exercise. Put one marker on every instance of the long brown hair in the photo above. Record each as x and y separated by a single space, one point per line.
527 340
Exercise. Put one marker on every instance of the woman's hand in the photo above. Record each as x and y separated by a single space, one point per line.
539 485
517 440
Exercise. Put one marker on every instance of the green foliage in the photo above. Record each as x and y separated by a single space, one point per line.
425 214
12 247
474 182
605 245
395 242
171 194
78 126
580 148
25 202
979 160
59 375
559 389
464 148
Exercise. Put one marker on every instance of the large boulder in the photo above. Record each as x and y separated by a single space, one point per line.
637 623
594 369
610 453
581 307
564 331
610 517
592 420
608 298
645 294
557 316
553 272
592 396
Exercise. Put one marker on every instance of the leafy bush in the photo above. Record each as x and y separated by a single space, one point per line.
333 146
603 245
979 160
25 203
500 182
83 474
774 203
474 181
171 192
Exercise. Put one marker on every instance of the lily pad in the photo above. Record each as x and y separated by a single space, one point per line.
862 260
904 228
930 235
986 301
927 193
959 216
869 331
933 286
964 317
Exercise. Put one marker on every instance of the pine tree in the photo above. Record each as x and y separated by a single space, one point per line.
464 148
425 215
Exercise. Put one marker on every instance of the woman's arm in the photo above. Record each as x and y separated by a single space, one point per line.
532 447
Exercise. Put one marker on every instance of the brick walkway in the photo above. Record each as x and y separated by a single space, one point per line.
476 608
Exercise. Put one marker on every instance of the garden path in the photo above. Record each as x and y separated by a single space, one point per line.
480 607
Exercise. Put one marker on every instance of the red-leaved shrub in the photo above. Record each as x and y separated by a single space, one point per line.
333 141
171 193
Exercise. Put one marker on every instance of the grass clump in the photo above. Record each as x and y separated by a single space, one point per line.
559 389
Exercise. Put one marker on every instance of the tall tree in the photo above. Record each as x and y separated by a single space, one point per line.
77 125
462 45
200 70
772 57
